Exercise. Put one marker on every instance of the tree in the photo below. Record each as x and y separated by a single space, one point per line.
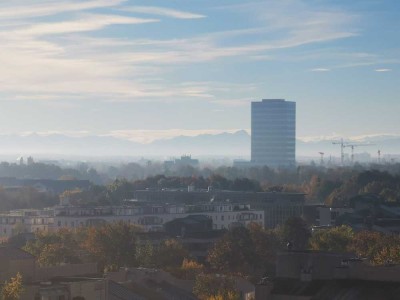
13 289
247 251
190 269
112 244
266 245
367 244
388 254
54 254
145 255
53 248
295 231
214 286
377 247
336 239
234 252
171 254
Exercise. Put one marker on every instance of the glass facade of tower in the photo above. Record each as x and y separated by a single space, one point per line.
273 133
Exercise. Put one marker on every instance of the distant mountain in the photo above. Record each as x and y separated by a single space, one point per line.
225 144
65 145
229 144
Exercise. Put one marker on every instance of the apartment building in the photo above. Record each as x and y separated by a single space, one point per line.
150 217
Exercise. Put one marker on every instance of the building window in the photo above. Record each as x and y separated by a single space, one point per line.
222 218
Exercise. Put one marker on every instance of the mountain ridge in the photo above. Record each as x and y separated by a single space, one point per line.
225 144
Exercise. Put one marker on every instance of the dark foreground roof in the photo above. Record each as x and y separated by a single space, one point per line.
338 289
13 253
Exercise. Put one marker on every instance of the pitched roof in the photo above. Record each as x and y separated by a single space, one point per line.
13 253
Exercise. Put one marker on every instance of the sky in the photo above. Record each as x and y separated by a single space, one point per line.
143 70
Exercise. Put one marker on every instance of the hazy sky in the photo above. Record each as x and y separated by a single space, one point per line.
155 68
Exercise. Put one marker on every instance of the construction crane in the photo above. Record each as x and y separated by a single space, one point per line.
322 158
352 146
342 146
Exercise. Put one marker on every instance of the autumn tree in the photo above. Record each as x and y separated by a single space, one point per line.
377 247
336 239
388 254
214 286
112 244
191 268
367 244
247 251
12 289
54 254
234 252
53 248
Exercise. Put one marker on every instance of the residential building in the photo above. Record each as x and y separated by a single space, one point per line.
151 217
25 220
273 133
277 206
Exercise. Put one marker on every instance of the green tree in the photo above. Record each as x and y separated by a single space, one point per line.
266 245
13 289
145 255
336 239
296 231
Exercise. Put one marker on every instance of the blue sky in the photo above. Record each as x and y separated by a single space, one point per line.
149 69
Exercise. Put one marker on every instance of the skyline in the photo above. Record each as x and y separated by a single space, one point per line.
135 68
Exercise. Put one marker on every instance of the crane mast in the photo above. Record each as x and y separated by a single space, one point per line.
342 146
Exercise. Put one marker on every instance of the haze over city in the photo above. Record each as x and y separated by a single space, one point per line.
145 70
199 150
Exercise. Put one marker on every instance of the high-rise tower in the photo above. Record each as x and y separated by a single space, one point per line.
273 133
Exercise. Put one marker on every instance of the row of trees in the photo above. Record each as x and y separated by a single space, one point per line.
334 187
50 171
378 248
26 197
112 245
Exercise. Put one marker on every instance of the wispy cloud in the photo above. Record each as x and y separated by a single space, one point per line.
383 70
29 10
162 11
66 58
90 22
320 70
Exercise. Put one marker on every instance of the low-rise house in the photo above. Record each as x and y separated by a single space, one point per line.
308 275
